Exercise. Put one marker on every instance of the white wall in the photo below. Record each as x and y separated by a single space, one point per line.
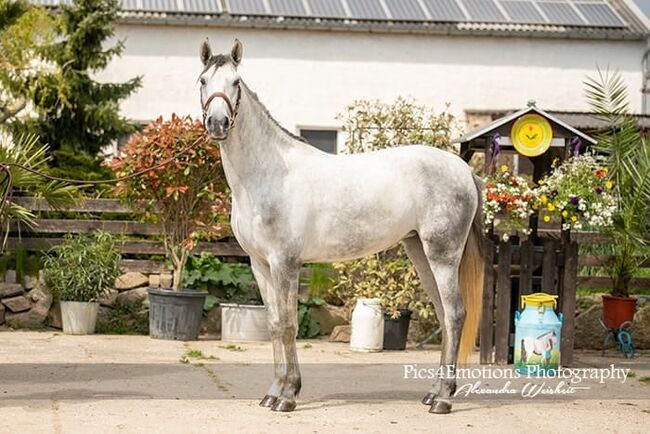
305 77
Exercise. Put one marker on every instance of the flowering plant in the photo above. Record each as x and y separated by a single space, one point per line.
187 196
508 195
578 191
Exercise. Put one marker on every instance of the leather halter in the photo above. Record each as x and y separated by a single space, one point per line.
232 111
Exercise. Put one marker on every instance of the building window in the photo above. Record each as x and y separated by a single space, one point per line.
325 140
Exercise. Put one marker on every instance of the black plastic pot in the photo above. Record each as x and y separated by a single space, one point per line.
396 330
175 315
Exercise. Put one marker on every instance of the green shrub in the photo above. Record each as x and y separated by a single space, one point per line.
232 282
83 267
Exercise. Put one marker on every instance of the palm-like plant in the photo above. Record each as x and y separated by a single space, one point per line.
628 155
25 151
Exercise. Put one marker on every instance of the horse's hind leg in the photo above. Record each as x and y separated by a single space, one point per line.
415 252
279 288
444 261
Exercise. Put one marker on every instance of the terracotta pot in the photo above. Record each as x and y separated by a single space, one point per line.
617 310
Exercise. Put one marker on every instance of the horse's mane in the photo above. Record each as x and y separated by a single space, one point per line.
255 98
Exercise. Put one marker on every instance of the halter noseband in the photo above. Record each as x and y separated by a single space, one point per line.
232 111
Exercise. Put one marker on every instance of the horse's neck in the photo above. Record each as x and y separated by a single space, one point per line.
255 153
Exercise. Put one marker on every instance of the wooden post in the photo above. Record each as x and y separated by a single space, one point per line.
549 267
569 302
502 323
487 315
526 258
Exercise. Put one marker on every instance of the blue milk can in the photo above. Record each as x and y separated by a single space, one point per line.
537 335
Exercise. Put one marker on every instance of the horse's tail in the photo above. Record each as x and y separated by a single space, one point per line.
471 280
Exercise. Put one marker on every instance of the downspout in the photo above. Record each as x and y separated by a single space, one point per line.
645 80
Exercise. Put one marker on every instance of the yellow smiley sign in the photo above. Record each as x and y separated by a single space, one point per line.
531 135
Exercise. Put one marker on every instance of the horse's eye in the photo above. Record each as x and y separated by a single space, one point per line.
202 81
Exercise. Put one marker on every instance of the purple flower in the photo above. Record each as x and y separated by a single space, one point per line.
554 193
575 200
599 189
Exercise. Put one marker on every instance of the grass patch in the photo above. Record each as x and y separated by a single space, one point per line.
631 374
307 346
645 380
195 354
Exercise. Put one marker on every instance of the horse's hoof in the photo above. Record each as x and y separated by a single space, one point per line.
283 405
428 398
268 401
440 407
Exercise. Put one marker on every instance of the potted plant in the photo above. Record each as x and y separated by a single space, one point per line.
508 201
627 154
78 272
391 278
187 197
232 286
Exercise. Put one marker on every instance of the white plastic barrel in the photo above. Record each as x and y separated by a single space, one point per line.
367 333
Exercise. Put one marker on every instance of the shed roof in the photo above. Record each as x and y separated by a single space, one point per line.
577 19
493 126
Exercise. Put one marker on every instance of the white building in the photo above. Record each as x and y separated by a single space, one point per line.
308 59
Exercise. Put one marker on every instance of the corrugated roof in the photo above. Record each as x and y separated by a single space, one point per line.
373 17
580 120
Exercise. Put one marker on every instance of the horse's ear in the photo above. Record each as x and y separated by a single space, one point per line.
206 52
236 52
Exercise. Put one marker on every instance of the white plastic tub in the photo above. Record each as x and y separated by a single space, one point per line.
244 322
367 333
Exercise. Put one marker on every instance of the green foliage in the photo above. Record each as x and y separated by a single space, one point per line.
628 159
74 111
124 320
25 150
83 267
388 276
322 278
24 30
81 165
307 327
206 272
187 197
374 125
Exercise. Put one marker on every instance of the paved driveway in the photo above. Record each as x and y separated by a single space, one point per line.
54 383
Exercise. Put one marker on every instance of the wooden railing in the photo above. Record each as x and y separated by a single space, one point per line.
134 238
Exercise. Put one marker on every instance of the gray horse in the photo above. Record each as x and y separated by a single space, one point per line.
293 204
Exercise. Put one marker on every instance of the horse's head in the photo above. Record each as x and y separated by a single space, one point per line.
220 89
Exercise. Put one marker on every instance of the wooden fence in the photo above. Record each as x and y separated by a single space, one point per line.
135 238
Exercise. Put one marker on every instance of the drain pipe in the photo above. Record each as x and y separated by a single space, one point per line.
645 80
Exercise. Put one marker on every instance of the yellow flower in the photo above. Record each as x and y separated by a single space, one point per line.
547 218
540 182
504 168
574 218
543 199
609 185
606 170
565 214
551 207
535 206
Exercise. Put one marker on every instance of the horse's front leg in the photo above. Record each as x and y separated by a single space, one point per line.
280 295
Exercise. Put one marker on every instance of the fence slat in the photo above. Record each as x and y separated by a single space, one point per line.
549 270
502 324
118 227
606 282
526 267
487 317
87 205
133 246
569 302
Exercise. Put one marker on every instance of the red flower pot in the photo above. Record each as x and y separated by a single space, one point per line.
617 310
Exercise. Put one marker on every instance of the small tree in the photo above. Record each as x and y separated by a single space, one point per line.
75 112
371 126
628 159
187 196
24 29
